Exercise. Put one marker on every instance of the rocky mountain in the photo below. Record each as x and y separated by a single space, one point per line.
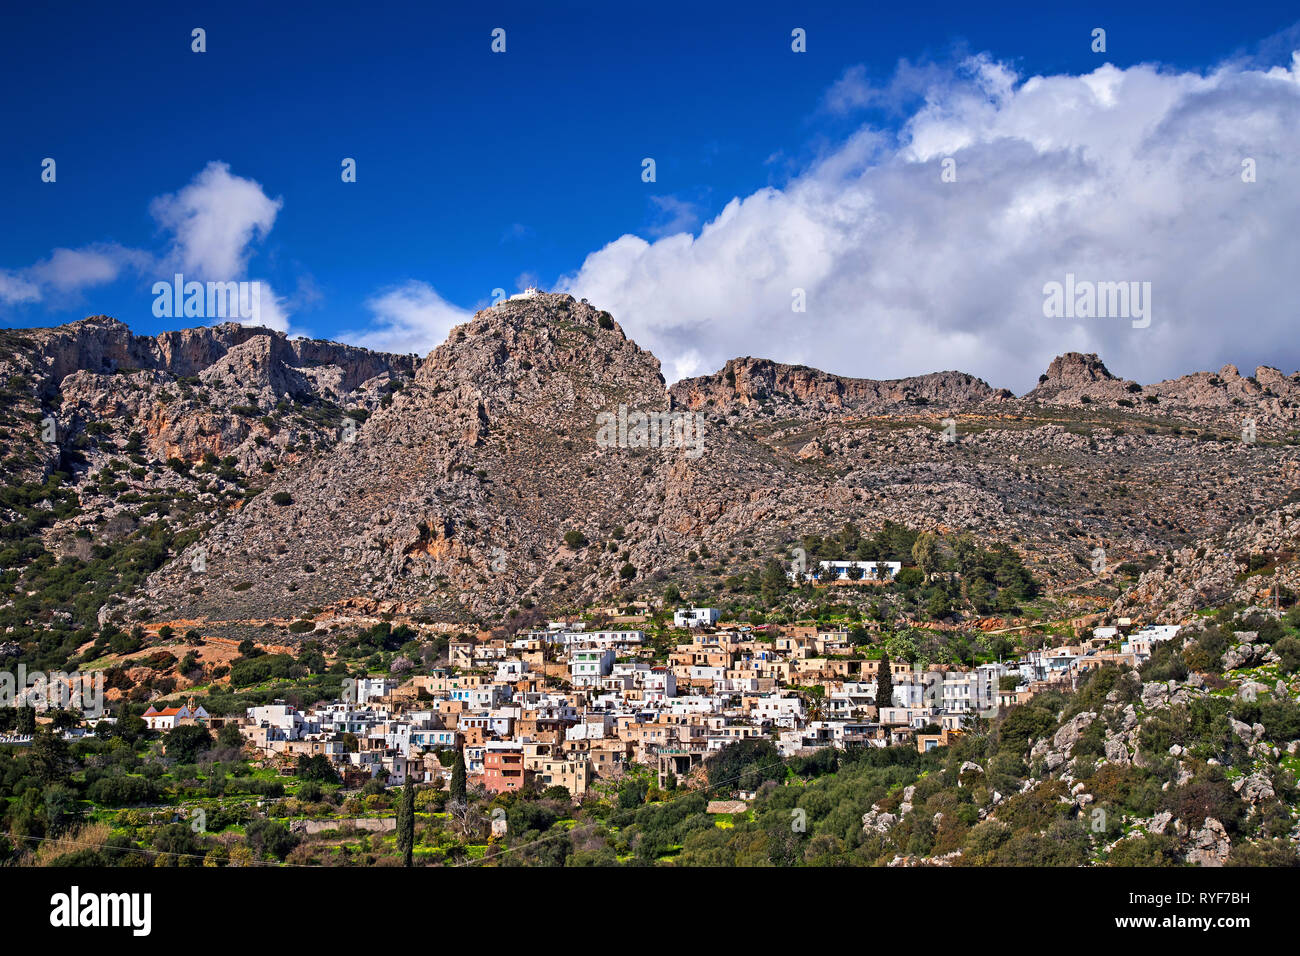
100 344
298 477
1225 398
188 393
464 486
748 383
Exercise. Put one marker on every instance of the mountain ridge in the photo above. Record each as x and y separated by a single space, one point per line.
102 343
307 475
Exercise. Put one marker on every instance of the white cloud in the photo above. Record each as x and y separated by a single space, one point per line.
272 310
66 272
214 221
15 289
854 90
1119 174
674 215
410 318
73 269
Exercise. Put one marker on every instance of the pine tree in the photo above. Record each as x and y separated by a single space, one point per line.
406 822
49 755
884 683
773 582
458 787
925 552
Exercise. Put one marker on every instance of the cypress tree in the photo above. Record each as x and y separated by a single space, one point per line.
884 683
458 786
406 822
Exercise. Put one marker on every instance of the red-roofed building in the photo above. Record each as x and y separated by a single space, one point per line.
171 717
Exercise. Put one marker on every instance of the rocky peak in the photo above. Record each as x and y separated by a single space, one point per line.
1270 377
1078 378
469 476
1077 368
522 341
744 383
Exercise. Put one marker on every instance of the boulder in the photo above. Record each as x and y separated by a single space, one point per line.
1128 719
1069 733
874 820
1245 655
1248 734
1209 845
1254 789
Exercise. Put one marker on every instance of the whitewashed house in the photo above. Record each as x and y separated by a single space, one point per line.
696 617
587 665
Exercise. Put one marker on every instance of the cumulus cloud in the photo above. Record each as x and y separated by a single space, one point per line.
409 318
214 221
1115 175
673 215
212 225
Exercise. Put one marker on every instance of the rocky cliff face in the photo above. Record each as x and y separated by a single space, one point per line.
102 345
217 390
1245 565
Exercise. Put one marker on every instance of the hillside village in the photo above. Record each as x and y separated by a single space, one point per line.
566 706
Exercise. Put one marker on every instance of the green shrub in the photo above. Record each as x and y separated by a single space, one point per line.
1288 652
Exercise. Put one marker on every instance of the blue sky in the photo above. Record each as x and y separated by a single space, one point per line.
479 170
